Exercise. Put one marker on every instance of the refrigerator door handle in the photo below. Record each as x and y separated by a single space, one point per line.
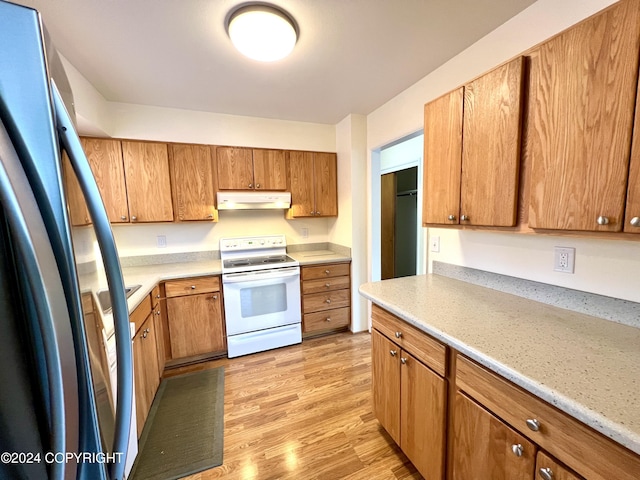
104 235
36 258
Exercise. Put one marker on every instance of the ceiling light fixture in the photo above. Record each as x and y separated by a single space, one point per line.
262 32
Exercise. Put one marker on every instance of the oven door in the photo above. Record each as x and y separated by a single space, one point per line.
263 299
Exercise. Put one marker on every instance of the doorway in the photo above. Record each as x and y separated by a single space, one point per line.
399 216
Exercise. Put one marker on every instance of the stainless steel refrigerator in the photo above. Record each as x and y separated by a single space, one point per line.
62 415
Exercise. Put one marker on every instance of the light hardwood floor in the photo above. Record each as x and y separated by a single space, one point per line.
304 412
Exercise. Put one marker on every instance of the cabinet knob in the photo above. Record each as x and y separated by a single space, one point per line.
251 185
464 218
257 185
123 217
328 319
144 334
210 215
451 217
157 312
546 473
393 352
328 300
403 360
327 285
86 220
158 295
398 334
533 424
318 213
635 222
327 272
146 330
215 297
602 220
133 218
517 450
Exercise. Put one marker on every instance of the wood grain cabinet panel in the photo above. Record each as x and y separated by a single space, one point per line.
315 302
545 466
483 446
105 158
328 319
146 166
442 159
326 297
325 271
192 182
632 209
145 363
269 169
78 211
191 286
195 325
472 151
385 380
313 181
582 97
234 168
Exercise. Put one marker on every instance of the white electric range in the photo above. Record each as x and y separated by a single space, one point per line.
261 286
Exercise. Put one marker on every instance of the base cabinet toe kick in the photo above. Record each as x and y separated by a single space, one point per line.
457 420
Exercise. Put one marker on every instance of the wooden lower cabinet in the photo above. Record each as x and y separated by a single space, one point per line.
485 448
326 298
409 400
195 320
548 468
145 367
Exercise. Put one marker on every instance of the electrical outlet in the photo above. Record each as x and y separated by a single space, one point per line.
161 241
564 259
435 243
304 232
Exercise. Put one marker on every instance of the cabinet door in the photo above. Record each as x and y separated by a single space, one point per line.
142 405
491 147
192 182
632 210
235 168
301 181
385 379
422 412
105 158
150 347
547 467
78 211
269 169
484 448
582 97
442 159
325 180
146 167
195 325
159 332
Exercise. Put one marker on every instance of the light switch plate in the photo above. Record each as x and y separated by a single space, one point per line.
161 241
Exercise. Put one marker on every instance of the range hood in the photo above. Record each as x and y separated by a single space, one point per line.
253 200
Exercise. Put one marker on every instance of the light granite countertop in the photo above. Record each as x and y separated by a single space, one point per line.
312 257
585 366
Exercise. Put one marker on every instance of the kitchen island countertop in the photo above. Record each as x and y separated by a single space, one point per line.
585 366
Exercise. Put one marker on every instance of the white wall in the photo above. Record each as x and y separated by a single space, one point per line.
608 267
350 227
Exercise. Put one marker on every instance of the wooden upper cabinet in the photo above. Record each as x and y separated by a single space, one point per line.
325 173
491 147
234 168
632 210
192 182
78 211
105 159
483 446
269 169
313 181
472 151
146 167
581 108
442 158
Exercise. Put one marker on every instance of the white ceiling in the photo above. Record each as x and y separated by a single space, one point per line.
352 55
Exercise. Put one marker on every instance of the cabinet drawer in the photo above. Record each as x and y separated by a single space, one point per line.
325 284
140 314
325 271
192 286
335 318
155 295
584 450
426 349
326 301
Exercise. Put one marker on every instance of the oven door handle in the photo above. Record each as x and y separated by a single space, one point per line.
260 275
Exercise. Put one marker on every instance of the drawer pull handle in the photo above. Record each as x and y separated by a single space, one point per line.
635 221
328 300
533 424
393 352
517 450
546 473
327 272
403 360
123 217
398 334
327 285
193 287
328 319
133 218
